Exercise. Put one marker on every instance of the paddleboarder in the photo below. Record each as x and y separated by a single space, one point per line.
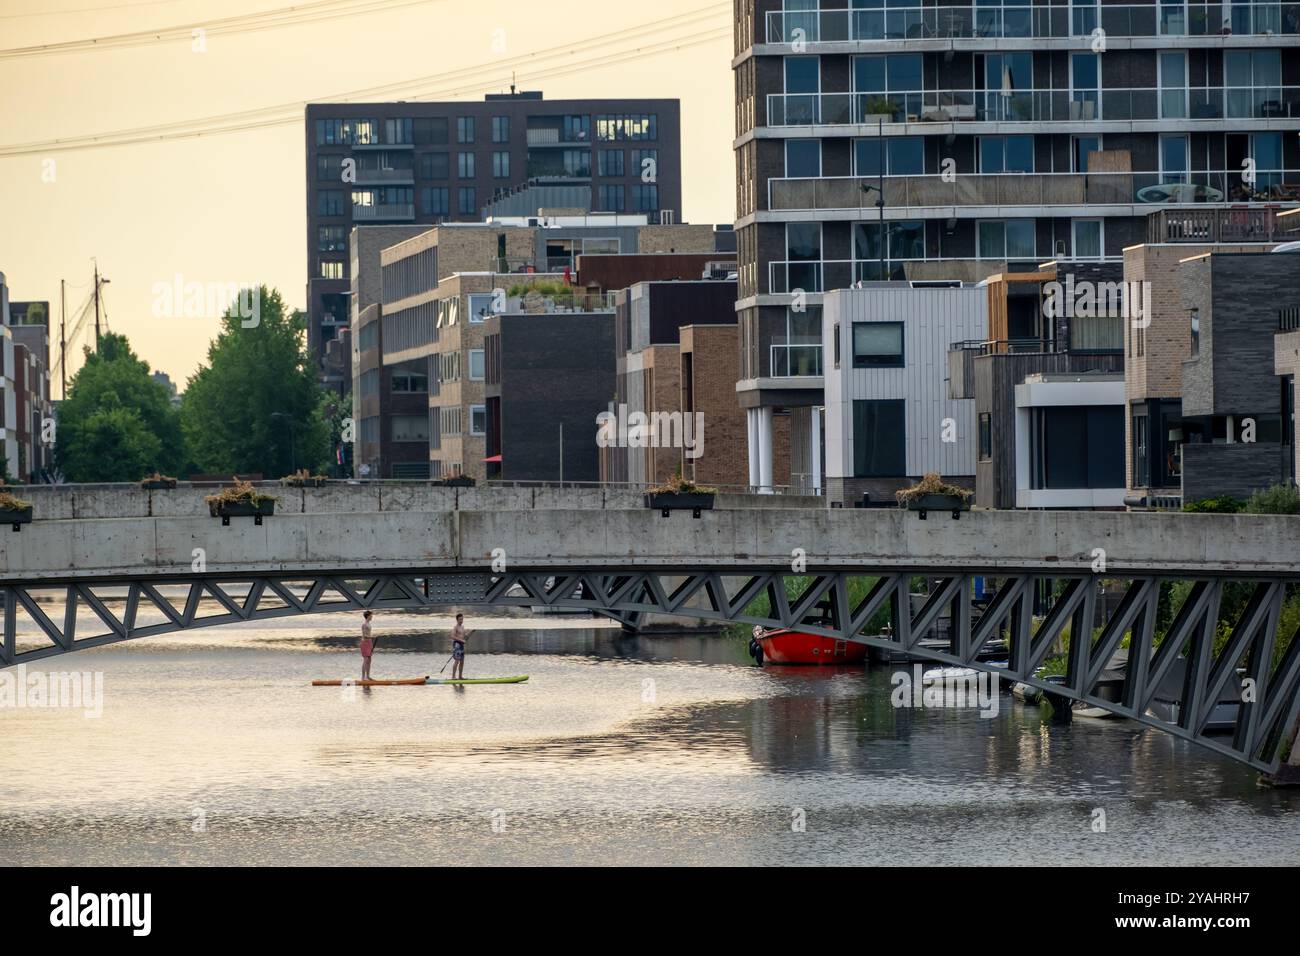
458 636
367 645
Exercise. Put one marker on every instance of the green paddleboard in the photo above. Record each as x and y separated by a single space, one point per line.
481 680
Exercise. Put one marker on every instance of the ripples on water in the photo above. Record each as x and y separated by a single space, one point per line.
618 750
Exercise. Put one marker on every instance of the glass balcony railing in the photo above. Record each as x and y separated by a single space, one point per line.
1025 22
795 356
823 275
1034 189
1033 106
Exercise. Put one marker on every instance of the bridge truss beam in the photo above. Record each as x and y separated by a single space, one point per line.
1195 665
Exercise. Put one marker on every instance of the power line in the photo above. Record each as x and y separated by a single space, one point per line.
321 10
57 13
285 114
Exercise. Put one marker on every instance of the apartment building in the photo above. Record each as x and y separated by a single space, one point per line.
442 285
25 405
429 163
656 378
894 142
1158 346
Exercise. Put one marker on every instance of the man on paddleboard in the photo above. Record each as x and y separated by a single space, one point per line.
458 648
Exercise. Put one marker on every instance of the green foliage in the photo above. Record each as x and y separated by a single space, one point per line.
117 423
1278 500
1222 505
256 405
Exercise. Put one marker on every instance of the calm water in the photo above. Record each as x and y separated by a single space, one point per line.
213 749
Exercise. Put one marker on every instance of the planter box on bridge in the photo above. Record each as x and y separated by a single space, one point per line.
934 502
226 510
16 517
667 502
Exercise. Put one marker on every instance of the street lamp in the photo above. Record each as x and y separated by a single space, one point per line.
880 191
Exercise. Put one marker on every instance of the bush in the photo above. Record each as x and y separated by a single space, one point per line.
1222 505
931 484
9 503
1278 500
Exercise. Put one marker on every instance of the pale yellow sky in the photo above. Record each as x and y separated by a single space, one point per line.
231 207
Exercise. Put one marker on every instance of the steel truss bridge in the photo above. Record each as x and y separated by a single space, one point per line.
1030 611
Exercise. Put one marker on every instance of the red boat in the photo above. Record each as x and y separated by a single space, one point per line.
787 646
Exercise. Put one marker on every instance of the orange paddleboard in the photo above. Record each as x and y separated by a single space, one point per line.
413 682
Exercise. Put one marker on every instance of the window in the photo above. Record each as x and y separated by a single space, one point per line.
398 131
1173 84
435 166
501 129
610 162
1006 154
1087 238
1009 239
645 197
1195 318
1141 448
1077 447
611 198
329 168
476 365
1085 82
329 202
877 344
331 239
435 200
501 165
635 126
985 436
465 165
1252 81
480 307
467 204
1173 159
1083 145
330 269
803 158
904 156
645 164
409 381
478 419
409 428
799 351
431 131
879 439
803 253
465 129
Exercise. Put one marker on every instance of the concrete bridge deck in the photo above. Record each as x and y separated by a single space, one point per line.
104 533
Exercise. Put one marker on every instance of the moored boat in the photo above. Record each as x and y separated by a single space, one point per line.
789 646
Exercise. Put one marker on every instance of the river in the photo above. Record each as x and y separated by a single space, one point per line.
213 748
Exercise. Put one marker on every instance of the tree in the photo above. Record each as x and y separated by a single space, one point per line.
117 423
255 407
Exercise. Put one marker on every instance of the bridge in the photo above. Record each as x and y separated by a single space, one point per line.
103 565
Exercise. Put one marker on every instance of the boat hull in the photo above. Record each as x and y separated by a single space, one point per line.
796 647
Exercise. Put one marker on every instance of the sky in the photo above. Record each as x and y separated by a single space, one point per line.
228 206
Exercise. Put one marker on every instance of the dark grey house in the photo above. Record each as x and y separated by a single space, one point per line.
547 378
1234 438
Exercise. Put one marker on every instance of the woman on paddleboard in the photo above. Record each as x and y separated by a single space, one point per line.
367 645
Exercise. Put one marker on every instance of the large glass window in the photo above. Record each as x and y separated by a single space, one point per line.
610 162
1173 85
803 250
799 351
501 129
904 156
476 365
1085 86
1006 154
1083 145
1253 83
465 165
877 344
1077 447
465 129
879 439
410 427
1173 159
1005 239
1087 238
803 158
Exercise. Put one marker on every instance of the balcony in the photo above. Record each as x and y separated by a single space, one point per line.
823 275
1031 23
1215 225
1031 190
384 212
794 357
1033 106
556 137
385 177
